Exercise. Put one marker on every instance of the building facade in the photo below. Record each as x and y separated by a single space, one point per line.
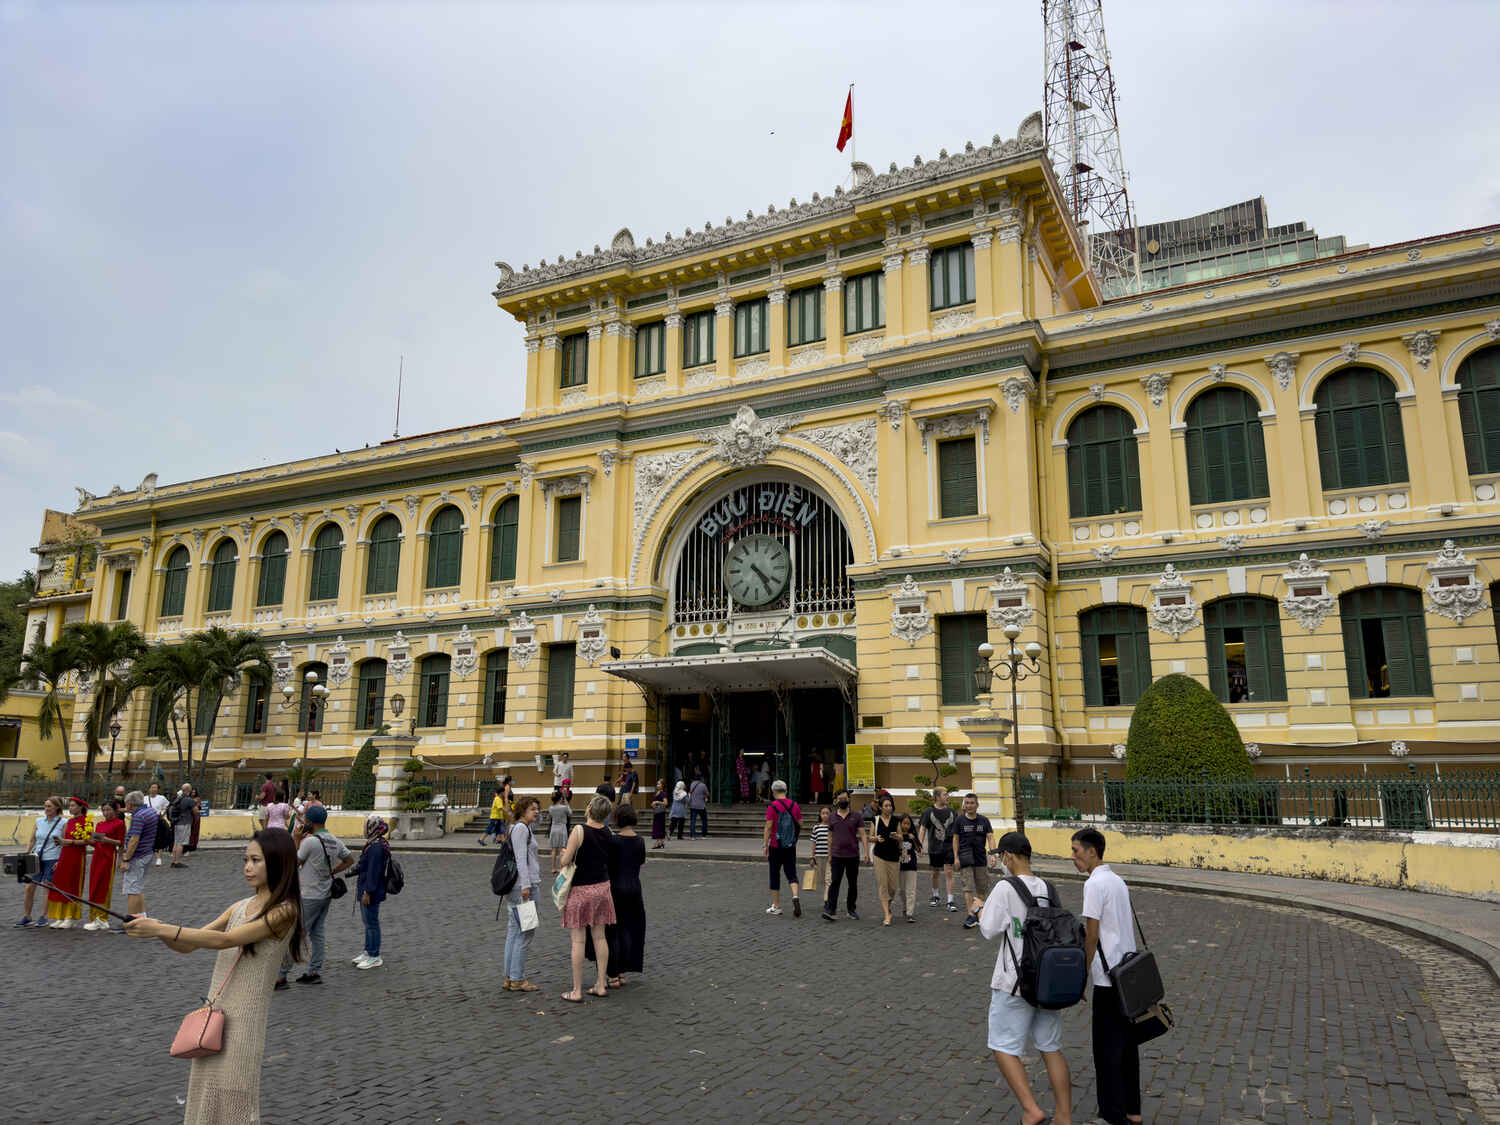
775 480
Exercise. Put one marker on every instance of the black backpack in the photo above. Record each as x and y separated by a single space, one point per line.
504 874
395 878
1051 971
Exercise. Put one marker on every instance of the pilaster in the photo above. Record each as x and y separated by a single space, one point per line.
674 350
393 750
833 313
984 276
991 763
1006 263
777 327
916 313
549 372
615 362
723 338
595 361
895 304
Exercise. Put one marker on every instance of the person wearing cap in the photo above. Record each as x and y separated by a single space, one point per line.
320 857
1012 1020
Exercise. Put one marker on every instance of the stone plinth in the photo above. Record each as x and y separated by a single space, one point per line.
991 764
394 750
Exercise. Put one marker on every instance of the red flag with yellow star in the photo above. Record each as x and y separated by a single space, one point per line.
846 129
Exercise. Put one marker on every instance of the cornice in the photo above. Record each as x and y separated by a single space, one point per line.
624 254
892 571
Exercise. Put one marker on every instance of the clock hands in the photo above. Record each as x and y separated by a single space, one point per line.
764 581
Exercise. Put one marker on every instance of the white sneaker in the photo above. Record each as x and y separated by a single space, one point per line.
55 924
361 959
158 861
372 963
773 910
67 924
91 926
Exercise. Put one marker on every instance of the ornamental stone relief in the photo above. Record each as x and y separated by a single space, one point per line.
955 425
1452 591
954 321
1173 610
523 643
398 657
1012 607
864 345
1422 345
1308 600
592 643
1283 365
1156 386
465 654
892 410
338 663
911 620
854 444
746 441
653 474
281 665
1017 389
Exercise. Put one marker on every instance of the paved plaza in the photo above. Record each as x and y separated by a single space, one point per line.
1285 1016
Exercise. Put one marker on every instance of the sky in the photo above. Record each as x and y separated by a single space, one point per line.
222 225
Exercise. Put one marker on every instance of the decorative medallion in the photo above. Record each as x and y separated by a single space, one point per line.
1452 591
592 643
413 505
1173 610
1233 542
476 494
1308 600
910 618
1252 750
1422 345
1350 350
1283 366
747 440
1399 750
1017 389
1118 750
1156 386
1374 529
1096 391
1106 552
523 643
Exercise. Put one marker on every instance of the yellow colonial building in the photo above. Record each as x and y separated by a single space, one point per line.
776 479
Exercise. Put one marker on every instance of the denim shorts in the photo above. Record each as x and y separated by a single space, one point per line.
135 874
44 874
1012 1021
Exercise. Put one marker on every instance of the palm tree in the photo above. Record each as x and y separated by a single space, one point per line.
51 664
173 673
104 656
231 658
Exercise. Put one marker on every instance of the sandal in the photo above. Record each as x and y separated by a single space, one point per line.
595 992
571 999
616 982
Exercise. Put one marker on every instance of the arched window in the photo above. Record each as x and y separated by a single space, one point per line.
306 698
174 583
385 556
445 548
221 577
328 555
272 588
1385 642
1104 471
432 698
1116 654
1244 649
369 709
1479 409
503 539
1226 451
256 695
1359 430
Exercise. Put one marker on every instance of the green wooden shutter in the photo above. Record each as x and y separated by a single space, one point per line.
569 512
384 556
959 638
1395 443
1093 689
503 540
958 479
1273 659
560 667
1213 638
1128 656
1198 487
272 570
1077 481
1328 464
496 675
1354 649
1487 409
221 578
1259 479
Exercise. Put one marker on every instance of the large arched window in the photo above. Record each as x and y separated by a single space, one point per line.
1116 649
328 556
1479 409
304 707
1226 451
1359 430
1104 472
1385 642
273 552
221 577
503 539
369 703
385 556
1244 649
174 583
445 548
432 697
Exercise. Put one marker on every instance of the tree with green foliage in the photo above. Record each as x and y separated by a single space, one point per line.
172 673
1185 760
231 658
50 666
13 596
937 754
105 656
359 787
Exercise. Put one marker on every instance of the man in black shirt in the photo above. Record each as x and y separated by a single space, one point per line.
971 834
935 834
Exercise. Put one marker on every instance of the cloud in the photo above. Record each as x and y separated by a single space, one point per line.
37 397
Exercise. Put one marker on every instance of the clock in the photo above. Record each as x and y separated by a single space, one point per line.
756 570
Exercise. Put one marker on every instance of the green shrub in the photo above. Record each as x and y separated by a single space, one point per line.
417 797
1067 814
1039 814
359 787
937 754
1185 761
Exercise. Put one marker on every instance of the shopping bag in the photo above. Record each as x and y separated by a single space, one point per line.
809 879
526 912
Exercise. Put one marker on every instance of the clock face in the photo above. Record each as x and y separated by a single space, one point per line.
757 570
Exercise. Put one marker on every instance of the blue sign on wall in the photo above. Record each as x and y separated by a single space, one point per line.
632 744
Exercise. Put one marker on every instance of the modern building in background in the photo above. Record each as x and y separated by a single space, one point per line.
776 480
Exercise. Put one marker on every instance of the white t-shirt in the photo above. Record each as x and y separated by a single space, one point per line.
1106 898
159 803
1002 916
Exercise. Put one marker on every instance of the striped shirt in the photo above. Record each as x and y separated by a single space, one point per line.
820 841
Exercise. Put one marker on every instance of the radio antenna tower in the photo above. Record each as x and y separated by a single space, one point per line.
1083 136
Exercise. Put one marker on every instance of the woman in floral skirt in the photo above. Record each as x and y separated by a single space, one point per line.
589 907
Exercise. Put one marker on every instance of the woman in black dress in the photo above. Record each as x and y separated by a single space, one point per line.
626 936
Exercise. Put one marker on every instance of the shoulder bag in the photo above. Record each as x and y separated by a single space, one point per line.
337 888
1138 987
202 1029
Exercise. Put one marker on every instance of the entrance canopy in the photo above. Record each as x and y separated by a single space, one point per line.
726 672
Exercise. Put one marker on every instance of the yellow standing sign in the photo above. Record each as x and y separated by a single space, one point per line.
859 767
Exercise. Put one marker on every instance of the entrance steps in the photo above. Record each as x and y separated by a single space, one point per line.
737 822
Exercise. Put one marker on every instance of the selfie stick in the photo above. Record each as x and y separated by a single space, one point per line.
75 898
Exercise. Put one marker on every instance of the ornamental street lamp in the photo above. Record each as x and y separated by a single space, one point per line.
317 702
398 704
1015 666
114 735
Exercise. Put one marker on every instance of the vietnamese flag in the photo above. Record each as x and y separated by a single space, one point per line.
846 129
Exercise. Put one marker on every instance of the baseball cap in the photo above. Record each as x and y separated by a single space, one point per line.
316 814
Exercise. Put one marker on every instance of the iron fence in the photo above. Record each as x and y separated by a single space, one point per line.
1454 800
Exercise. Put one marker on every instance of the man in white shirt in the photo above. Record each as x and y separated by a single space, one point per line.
1012 1019
158 802
1109 934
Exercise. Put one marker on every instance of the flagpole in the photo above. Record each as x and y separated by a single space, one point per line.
853 143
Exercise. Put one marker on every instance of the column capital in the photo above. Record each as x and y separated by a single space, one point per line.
833 281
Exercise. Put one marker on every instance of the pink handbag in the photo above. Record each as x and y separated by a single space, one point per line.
202 1029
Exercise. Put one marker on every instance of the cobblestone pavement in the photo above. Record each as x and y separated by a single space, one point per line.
1284 1016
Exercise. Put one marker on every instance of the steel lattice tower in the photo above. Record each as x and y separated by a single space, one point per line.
1083 136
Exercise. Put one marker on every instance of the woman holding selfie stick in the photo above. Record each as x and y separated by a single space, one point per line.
224 1088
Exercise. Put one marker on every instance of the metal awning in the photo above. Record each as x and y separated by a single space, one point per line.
762 670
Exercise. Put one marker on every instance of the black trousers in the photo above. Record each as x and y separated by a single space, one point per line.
838 867
1117 1059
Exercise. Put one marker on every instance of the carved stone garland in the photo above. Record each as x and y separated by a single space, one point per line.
592 643
1307 599
523 642
398 657
465 654
281 664
1012 606
1452 591
854 444
911 620
1173 610
338 663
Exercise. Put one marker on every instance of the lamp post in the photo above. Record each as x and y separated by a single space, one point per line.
114 736
317 700
1015 666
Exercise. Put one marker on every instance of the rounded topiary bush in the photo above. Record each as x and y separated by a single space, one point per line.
1185 760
